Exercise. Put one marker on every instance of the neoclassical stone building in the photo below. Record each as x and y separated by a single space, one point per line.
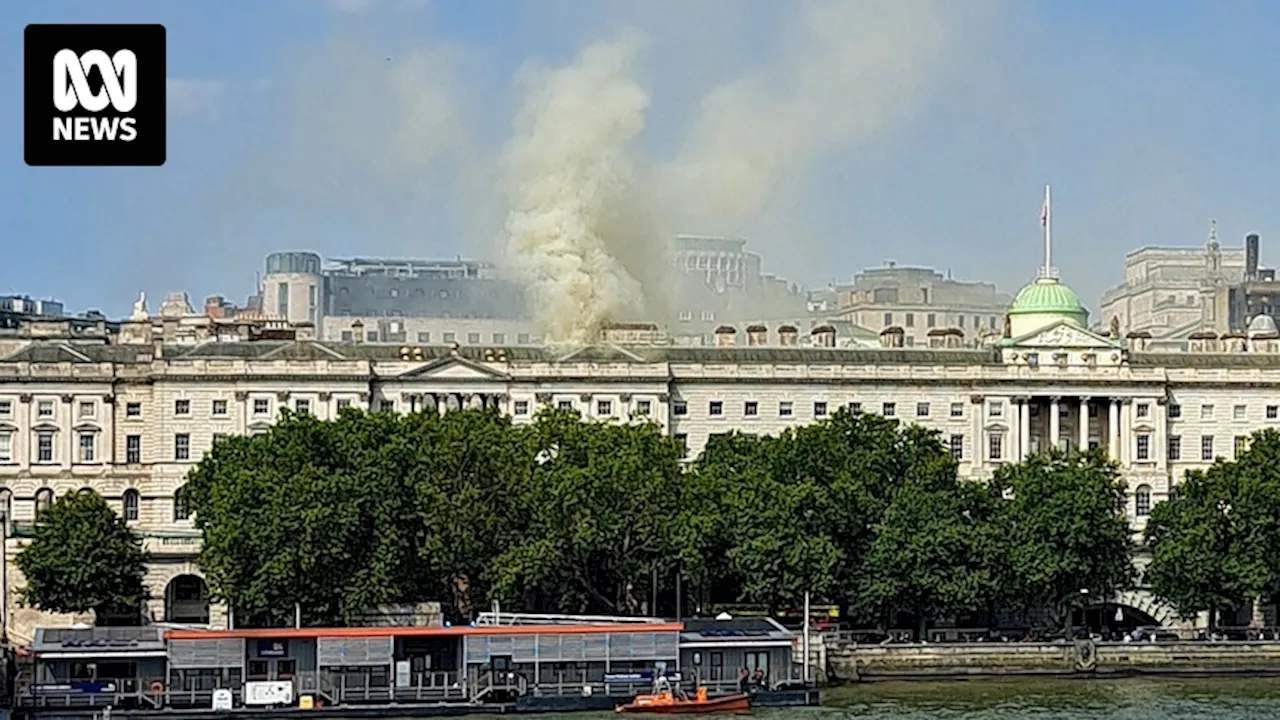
129 417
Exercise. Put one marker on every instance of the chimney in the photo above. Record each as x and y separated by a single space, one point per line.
1251 256
725 336
823 336
788 336
757 335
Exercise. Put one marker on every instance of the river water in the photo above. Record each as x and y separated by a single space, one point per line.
1049 699
1084 699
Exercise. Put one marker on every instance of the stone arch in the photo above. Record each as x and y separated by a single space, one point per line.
186 600
1142 605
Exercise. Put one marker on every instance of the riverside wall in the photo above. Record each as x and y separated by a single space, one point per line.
851 662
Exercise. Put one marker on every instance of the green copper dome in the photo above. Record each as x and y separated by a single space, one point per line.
1047 296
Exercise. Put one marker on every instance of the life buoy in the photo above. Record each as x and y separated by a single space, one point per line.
157 687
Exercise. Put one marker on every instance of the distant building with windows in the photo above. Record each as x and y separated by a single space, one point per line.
920 301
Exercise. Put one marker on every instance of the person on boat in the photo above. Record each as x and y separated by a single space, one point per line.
661 684
744 679
757 679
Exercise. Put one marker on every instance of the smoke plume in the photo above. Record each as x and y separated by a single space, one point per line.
570 179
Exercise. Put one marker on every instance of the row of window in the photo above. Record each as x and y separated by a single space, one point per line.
219 407
424 337
1238 412
87 447
931 320
604 408
786 408
131 502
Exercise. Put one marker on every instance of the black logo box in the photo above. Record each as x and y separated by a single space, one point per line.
41 43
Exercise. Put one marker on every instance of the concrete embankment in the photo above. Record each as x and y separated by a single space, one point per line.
899 662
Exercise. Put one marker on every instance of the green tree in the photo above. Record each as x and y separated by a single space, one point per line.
937 550
1064 530
604 496
83 557
1215 543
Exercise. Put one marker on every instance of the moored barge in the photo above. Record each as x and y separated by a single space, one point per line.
530 664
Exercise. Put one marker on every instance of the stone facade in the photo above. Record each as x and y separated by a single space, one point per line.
129 418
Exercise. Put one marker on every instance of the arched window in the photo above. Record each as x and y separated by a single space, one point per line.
131 502
180 509
1142 501
44 500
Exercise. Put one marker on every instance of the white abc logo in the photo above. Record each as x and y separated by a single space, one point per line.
119 81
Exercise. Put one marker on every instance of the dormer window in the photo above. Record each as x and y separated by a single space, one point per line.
1033 359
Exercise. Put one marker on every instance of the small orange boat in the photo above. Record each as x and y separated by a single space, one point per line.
668 703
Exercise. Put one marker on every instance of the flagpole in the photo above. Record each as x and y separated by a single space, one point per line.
1048 233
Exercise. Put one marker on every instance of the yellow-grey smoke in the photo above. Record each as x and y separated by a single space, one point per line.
570 178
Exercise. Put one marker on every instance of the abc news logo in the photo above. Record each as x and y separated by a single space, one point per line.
108 101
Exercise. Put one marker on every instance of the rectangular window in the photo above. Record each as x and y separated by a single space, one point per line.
1142 502
911 320
181 407
1144 447
995 446
499 338
679 407
522 339
751 408
181 447
1175 447
133 449
1241 445
888 319
1144 410
1239 412
346 336
87 447
644 407
820 409
1206 448
521 407
1175 411
424 337
473 338
343 403
960 319
715 408
302 406
282 300
219 408
785 409
219 437
450 337
957 410
889 409
6 408
931 320
44 447
565 404
957 447
88 409
371 336
604 407
181 510
1206 412
44 409
922 409
995 409
1273 412
6 447
385 405
261 406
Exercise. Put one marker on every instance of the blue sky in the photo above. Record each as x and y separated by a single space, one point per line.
1149 118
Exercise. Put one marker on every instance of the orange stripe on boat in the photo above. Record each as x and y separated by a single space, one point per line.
366 632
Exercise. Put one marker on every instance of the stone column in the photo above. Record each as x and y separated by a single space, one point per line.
1113 429
1055 422
1024 429
979 450
1084 423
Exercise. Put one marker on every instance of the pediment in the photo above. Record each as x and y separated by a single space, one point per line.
1063 335
454 369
